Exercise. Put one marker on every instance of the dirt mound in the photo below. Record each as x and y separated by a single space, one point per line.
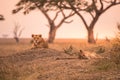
30 55
48 64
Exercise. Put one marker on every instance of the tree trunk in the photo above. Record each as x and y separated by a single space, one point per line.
16 39
52 34
91 36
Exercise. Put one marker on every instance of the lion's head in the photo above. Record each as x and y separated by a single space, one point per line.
37 39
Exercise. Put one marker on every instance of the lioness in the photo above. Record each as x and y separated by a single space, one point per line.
88 55
38 41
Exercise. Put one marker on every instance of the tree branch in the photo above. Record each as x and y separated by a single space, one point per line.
74 9
62 12
64 18
56 15
44 12
91 15
112 4
95 7
101 5
68 21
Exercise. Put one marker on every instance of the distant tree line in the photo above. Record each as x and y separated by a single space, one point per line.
93 8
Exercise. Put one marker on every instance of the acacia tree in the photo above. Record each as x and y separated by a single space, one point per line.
17 31
93 8
45 6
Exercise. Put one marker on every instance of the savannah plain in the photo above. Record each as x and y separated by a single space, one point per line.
63 60
59 61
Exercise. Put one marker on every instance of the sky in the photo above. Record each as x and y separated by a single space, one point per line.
36 23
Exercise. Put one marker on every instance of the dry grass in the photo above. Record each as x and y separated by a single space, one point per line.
9 45
18 62
113 63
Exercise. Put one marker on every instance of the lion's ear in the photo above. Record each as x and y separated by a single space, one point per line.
32 35
81 51
40 35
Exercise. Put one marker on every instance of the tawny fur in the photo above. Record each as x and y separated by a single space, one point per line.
89 55
38 41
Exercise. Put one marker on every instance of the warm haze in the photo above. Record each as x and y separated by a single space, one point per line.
36 23
69 57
